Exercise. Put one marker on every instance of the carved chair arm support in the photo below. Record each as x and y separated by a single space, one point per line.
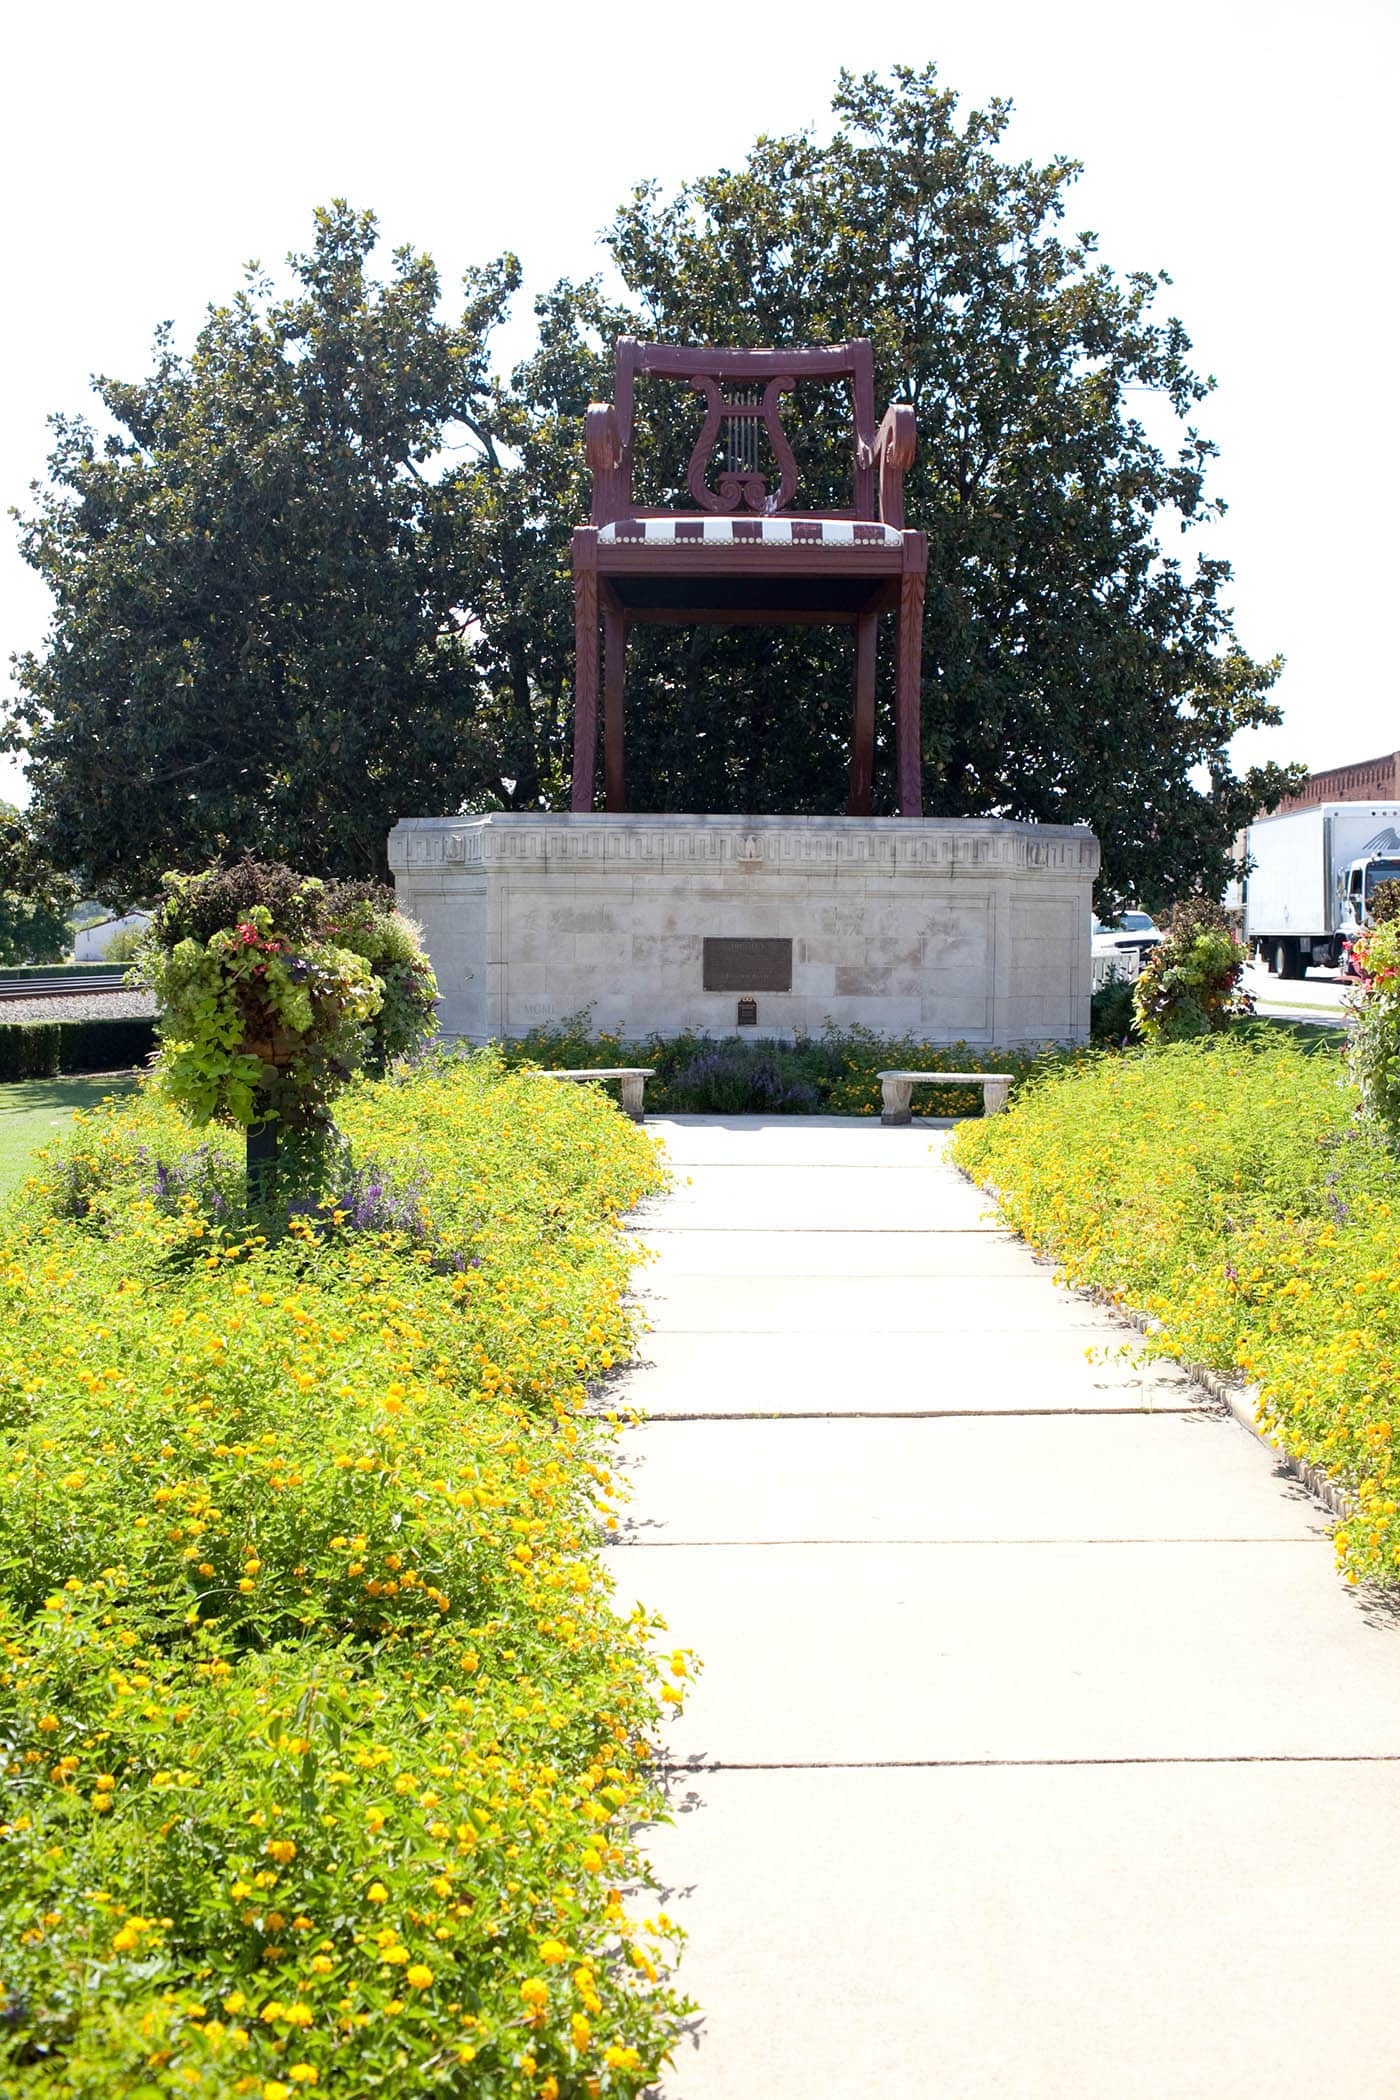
602 437
894 454
612 491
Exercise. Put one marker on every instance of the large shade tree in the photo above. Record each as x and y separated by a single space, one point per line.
287 615
259 631
1080 660
35 899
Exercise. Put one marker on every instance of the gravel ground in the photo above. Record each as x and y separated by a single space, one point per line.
80 1006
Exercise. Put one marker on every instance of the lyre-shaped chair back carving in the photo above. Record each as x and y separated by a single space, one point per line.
739 414
744 393
741 448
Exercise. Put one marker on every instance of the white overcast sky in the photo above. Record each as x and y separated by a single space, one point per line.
1246 146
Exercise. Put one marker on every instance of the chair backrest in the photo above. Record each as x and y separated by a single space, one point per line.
743 390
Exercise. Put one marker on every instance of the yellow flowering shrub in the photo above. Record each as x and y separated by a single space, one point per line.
1227 1189
324 1744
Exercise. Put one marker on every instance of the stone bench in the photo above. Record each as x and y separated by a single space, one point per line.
633 1079
896 1089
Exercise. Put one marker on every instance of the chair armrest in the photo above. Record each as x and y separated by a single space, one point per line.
602 438
894 453
609 462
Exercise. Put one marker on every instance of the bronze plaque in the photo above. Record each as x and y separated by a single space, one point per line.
747 966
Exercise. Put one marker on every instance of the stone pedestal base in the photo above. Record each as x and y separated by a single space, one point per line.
943 929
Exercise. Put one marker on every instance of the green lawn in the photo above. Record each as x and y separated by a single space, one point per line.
33 1110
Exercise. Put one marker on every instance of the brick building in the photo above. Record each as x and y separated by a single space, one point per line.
1369 780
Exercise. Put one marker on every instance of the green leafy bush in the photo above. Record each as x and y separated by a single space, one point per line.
1112 1018
273 989
367 921
835 1073
324 1742
124 947
1374 1046
1189 984
1227 1188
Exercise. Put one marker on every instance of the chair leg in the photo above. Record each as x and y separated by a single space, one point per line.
585 683
614 674
863 725
908 674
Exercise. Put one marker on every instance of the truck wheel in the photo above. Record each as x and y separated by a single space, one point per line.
1289 960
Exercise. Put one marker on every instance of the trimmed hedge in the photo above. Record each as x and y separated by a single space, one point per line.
42 1049
29 1050
56 973
105 1046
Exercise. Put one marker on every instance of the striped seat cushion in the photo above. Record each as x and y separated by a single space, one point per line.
767 532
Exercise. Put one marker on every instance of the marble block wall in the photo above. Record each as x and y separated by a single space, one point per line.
950 929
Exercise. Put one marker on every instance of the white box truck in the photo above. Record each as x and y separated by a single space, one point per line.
1311 875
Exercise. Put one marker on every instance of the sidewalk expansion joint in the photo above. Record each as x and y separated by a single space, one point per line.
860 1334
1023 1764
1224 1538
911 1414
849 1232
925 1276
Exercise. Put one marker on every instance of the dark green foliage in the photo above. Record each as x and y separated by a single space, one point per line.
835 1073
41 1049
31 931
58 973
739 1077
1111 1018
29 1049
258 627
34 899
105 1046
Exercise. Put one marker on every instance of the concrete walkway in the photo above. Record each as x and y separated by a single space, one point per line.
1039 1751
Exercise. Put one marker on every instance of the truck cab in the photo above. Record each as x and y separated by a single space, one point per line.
1361 878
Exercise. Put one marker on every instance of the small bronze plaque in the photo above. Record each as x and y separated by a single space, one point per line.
748 1013
747 966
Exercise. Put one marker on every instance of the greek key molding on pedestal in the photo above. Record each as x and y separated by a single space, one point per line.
872 844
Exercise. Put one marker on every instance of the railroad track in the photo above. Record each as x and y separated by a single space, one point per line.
12 987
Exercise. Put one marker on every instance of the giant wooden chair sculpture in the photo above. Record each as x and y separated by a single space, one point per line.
745 557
